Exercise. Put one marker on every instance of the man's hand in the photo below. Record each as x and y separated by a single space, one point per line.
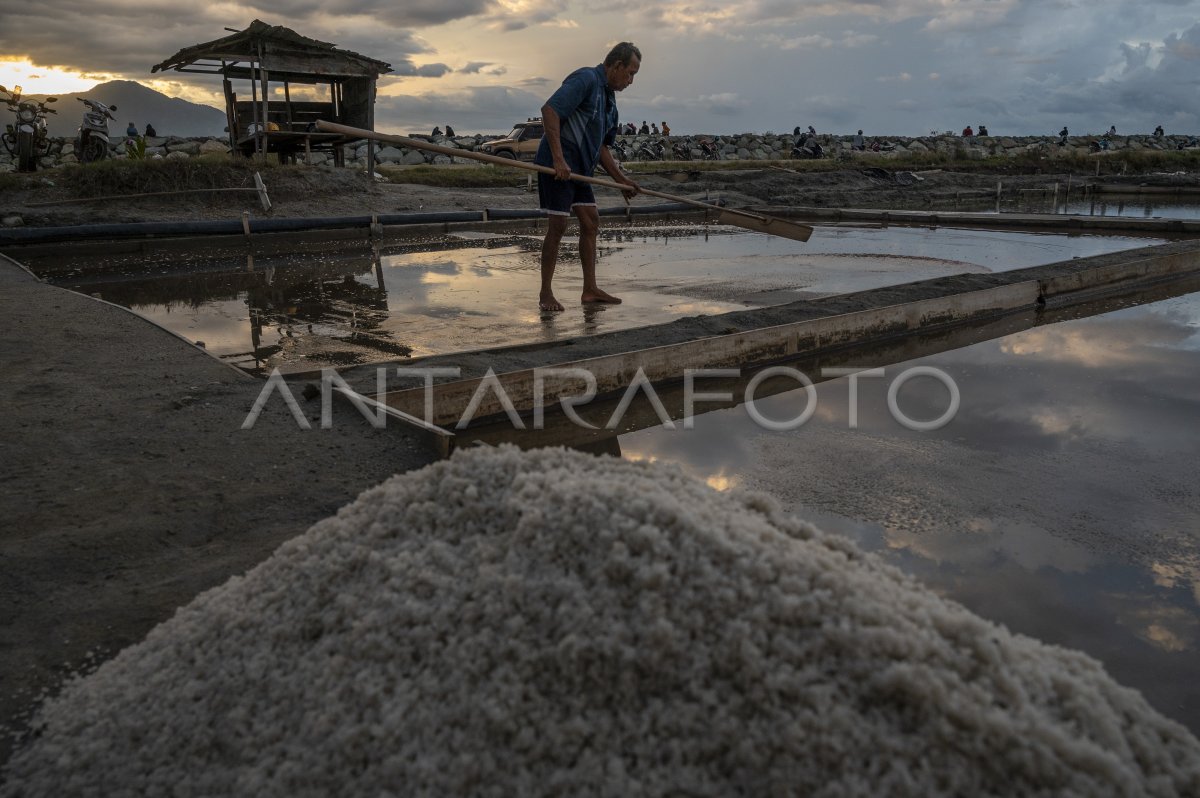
561 170
614 170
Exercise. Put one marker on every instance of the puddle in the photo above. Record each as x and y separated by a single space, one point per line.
299 313
1132 206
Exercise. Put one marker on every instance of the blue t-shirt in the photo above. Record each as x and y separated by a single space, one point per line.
587 112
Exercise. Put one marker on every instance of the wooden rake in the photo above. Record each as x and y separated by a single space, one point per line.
757 222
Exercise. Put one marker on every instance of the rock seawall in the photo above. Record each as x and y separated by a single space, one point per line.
746 146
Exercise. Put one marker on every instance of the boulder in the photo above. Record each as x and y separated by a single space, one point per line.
413 158
389 155
12 221
184 146
212 145
177 155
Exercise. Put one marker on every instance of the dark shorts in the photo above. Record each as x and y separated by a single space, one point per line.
559 197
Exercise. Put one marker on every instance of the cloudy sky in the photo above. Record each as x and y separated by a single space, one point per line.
902 67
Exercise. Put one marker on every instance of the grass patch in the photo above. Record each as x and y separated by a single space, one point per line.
121 176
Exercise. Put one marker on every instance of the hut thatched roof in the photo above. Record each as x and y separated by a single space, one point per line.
285 54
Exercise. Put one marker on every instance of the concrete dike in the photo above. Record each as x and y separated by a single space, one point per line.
734 147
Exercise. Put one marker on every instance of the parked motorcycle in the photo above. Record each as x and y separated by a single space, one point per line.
709 151
682 150
619 151
27 139
651 150
91 144
807 146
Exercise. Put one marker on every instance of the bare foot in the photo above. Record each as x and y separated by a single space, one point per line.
548 302
599 296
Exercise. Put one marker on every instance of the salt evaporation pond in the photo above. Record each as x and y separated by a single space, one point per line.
309 311
1061 500
551 623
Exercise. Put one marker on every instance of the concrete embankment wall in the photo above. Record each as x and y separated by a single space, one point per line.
743 146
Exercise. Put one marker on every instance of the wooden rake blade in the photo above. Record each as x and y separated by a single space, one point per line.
771 225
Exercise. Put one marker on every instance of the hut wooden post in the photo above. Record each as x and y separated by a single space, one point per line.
258 123
370 142
231 121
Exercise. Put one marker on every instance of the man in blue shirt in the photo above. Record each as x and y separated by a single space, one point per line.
580 121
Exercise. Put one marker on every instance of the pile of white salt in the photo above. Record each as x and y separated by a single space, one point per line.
511 623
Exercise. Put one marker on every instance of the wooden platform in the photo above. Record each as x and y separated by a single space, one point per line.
290 144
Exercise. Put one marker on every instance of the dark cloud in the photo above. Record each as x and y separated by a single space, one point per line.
91 40
408 14
1154 85
128 41
473 67
407 69
483 109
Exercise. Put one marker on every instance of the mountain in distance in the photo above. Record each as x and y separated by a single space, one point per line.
136 103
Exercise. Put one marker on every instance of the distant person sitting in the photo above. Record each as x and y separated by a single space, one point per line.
644 129
967 132
1158 131
449 132
131 131
437 131
666 130
1062 137
1112 130
630 129
150 131
982 130
653 128
858 142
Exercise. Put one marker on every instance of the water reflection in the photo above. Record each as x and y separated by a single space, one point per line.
325 312
1082 202
1061 500
357 305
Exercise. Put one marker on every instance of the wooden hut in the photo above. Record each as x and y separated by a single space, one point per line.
263 54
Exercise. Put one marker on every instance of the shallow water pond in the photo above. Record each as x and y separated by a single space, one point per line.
1061 499
479 290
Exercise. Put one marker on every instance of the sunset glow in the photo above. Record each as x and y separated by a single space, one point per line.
20 71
